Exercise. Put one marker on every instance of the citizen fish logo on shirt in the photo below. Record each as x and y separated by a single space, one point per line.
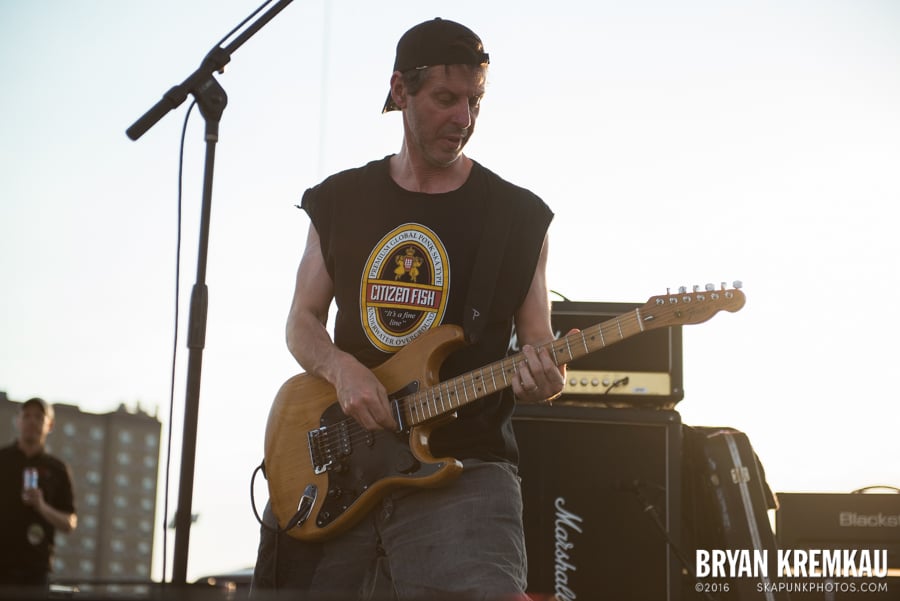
404 287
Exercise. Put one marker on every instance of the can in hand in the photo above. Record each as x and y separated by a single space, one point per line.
29 478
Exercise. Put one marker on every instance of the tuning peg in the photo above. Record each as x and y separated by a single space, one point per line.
682 290
696 288
710 287
737 284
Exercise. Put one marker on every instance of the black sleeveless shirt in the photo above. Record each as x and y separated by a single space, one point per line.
401 263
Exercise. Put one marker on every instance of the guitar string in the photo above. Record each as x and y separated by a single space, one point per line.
661 310
614 325
358 435
351 428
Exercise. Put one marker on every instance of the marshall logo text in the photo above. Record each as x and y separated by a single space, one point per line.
565 525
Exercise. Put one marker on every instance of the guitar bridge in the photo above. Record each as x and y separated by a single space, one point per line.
331 443
328 444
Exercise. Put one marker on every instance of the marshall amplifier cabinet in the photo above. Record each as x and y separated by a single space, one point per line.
865 528
644 370
601 489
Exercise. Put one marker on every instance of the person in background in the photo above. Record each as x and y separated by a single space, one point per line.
36 500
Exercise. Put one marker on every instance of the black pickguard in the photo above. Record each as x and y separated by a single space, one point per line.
362 459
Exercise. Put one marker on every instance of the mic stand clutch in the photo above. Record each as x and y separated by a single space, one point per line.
211 99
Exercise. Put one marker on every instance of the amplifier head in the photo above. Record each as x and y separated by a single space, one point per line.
840 521
644 370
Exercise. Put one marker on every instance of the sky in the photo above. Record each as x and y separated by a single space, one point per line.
677 143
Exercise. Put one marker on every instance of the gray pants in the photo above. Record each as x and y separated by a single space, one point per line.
463 540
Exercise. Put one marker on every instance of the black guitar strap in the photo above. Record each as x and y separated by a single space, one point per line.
487 267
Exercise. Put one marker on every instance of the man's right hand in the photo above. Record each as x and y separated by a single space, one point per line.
363 397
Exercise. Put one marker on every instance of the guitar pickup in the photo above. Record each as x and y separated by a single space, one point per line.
328 444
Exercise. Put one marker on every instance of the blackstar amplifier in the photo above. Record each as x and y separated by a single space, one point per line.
644 370
864 527
840 521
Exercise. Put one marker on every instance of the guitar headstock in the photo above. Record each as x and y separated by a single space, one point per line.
697 306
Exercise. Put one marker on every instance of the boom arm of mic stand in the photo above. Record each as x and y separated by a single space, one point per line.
214 61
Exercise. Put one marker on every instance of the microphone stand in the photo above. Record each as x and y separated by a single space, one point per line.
211 99
650 509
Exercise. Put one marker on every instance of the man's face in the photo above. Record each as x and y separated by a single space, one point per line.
440 119
33 425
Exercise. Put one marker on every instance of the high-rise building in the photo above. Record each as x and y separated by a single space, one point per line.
114 458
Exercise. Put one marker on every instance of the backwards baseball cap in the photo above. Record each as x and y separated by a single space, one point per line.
436 42
43 405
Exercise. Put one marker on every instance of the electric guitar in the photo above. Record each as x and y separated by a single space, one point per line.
325 471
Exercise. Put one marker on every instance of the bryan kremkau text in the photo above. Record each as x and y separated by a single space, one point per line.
792 563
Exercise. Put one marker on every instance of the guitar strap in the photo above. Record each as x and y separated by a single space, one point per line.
490 255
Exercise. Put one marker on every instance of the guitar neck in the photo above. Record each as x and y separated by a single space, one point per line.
446 397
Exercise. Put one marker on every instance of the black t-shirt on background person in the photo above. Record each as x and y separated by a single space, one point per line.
26 538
